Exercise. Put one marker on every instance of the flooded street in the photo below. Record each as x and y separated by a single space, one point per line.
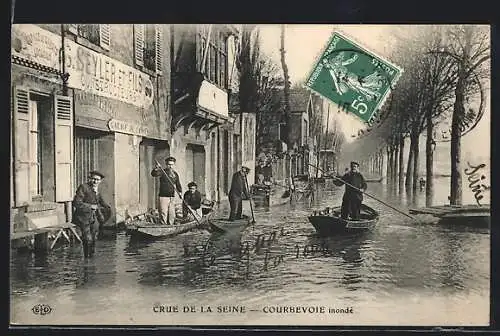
401 273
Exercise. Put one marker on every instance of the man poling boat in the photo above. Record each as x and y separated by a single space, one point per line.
178 193
365 193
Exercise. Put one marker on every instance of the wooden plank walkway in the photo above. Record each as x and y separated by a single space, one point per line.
447 210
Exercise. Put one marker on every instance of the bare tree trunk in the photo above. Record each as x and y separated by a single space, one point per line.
458 112
389 164
287 87
401 176
409 167
429 163
416 162
396 163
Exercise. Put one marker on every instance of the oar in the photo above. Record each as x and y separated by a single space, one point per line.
367 194
250 199
178 193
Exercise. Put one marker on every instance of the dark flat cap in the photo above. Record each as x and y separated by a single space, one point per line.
354 163
245 168
192 184
170 158
95 172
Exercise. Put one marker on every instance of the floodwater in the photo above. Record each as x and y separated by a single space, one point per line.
276 272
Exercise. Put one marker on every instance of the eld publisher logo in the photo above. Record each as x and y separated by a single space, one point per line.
41 309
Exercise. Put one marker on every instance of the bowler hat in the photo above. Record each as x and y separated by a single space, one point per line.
95 172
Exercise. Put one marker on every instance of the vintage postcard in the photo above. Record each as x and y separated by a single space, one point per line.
250 175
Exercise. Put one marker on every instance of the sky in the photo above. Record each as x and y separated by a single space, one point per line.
305 43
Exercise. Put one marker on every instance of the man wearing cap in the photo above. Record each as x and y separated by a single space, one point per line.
238 192
90 211
192 199
169 184
351 202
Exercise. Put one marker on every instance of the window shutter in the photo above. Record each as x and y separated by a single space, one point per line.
63 137
105 36
159 48
21 144
139 44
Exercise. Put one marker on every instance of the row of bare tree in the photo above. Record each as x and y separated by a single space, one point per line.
445 74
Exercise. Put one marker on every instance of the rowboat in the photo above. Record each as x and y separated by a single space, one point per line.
328 221
227 226
148 226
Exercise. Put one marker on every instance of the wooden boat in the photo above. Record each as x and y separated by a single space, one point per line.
226 226
328 221
472 215
148 226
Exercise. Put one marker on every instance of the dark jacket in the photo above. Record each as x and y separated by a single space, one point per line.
239 186
166 187
355 179
84 198
193 199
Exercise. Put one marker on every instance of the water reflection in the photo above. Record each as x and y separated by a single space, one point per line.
279 257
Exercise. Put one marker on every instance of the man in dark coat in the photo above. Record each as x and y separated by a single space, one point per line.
90 211
238 192
351 202
192 199
168 187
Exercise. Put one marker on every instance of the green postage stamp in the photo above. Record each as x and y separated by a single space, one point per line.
352 77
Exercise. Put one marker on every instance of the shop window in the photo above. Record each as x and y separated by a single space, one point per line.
148 46
98 34
213 57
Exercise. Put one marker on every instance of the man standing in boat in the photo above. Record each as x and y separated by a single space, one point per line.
351 202
168 186
90 211
238 192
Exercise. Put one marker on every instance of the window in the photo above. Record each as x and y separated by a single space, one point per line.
42 147
98 34
213 58
305 132
35 144
148 46
281 131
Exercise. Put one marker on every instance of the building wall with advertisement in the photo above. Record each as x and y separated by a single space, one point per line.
119 93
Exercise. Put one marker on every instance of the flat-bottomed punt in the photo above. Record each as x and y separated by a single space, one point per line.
328 221
469 215
226 226
148 226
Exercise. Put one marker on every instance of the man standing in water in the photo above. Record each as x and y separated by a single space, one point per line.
168 186
238 192
351 202
90 211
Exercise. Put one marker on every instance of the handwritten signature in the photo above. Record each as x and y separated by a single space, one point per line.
475 180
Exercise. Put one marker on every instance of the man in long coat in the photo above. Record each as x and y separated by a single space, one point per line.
238 192
351 202
90 211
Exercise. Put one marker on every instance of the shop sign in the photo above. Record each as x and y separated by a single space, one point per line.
213 99
89 70
126 127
